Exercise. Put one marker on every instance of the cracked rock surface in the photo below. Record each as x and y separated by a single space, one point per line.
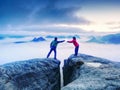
86 72
35 74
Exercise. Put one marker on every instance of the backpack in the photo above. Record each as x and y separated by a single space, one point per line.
53 44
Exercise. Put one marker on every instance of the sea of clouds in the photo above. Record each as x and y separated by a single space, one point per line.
28 49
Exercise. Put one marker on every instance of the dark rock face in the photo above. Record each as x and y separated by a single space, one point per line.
86 72
68 70
35 74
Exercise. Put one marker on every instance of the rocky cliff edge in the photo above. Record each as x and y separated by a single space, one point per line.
86 72
35 74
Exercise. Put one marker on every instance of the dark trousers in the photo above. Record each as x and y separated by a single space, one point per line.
52 49
76 50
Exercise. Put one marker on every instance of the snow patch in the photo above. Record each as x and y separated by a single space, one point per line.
92 64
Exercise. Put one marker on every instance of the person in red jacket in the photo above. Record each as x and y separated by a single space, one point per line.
75 44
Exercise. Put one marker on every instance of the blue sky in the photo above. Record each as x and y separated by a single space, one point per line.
60 15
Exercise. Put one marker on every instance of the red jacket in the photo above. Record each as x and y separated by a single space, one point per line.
74 42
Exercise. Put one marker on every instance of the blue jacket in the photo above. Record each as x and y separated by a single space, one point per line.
54 43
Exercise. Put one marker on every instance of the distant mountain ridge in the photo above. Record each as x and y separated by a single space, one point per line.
38 39
107 39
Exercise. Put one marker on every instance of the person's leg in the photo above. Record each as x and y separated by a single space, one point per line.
76 50
49 52
55 54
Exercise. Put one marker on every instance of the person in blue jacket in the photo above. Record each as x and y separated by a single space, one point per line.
53 46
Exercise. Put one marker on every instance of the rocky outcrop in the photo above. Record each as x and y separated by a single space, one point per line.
86 72
35 74
107 39
83 72
39 39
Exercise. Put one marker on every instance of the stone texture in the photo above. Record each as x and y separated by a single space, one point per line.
87 77
35 74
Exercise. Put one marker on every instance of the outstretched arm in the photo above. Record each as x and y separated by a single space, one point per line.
70 41
61 41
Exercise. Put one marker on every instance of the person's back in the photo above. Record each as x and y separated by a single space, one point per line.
53 47
53 44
